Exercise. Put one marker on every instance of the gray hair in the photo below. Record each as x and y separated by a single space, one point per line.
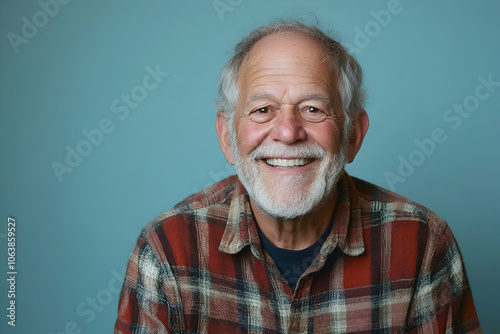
349 73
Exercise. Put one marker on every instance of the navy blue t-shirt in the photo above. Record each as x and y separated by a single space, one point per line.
293 263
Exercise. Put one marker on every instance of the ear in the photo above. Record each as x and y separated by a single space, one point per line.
360 127
222 127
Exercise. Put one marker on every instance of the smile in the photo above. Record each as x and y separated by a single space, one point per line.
288 163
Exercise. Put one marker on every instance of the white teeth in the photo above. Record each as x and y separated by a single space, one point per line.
285 163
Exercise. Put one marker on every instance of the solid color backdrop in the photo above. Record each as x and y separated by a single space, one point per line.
107 120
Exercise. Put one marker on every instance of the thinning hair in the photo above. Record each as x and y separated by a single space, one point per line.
347 70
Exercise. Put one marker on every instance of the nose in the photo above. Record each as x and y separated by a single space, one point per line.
288 127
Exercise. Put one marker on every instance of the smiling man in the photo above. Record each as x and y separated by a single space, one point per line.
293 244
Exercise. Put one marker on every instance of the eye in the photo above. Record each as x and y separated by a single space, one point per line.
263 110
313 114
313 110
262 114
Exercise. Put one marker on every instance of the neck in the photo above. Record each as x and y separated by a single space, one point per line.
297 233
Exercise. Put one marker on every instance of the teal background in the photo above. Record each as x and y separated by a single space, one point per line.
74 236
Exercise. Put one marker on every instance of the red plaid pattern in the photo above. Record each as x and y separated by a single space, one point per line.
388 266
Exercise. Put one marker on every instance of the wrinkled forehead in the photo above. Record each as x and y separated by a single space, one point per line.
287 46
287 57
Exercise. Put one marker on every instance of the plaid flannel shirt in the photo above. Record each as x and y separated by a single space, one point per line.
388 266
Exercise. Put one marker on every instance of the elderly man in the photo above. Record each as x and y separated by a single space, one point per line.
293 244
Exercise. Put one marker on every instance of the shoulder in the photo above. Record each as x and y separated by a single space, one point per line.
208 206
380 206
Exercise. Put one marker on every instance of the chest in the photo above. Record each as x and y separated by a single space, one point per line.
242 294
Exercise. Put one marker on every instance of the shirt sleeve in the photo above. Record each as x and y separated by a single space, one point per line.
443 302
149 295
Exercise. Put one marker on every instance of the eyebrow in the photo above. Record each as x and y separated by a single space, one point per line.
308 97
257 97
316 97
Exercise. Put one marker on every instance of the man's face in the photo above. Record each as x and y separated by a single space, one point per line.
288 148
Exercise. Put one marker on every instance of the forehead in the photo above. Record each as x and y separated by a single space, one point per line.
287 56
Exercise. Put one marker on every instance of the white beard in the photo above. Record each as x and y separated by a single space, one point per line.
289 196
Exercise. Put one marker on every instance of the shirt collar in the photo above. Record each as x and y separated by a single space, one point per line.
241 229
346 234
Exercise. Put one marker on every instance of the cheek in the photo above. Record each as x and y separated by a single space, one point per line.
328 136
250 135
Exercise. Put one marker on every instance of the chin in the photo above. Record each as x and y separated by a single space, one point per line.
288 198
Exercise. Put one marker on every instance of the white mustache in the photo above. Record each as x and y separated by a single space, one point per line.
302 150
